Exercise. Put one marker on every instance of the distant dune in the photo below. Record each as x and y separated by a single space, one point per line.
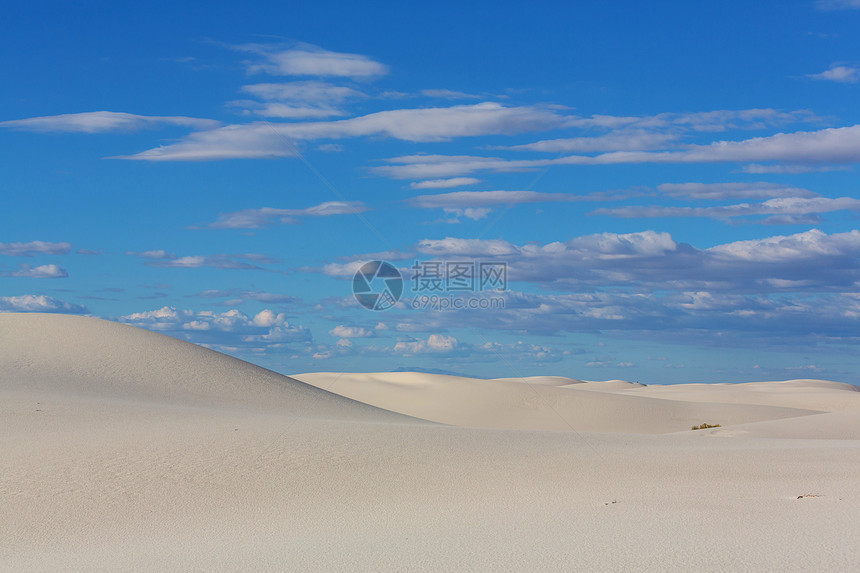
126 450
556 403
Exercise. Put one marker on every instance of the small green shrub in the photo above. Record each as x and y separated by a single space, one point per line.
705 426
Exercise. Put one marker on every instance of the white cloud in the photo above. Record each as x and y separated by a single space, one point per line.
39 303
444 183
791 248
434 343
342 331
308 60
248 141
775 168
452 246
837 4
238 296
826 146
466 199
34 248
780 207
246 261
104 121
655 260
448 94
341 269
478 204
303 99
267 140
705 121
616 141
723 191
259 218
838 73
264 330
423 166
39 272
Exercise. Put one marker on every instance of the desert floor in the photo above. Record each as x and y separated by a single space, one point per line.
126 450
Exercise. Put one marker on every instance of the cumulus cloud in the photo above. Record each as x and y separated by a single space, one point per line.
247 261
233 328
259 218
342 331
34 248
39 272
104 121
679 316
39 303
435 343
838 73
654 260
309 60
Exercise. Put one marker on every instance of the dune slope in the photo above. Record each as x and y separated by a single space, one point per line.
92 357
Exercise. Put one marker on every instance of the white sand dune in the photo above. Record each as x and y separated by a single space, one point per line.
551 403
124 450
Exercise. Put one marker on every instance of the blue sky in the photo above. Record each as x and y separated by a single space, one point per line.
671 187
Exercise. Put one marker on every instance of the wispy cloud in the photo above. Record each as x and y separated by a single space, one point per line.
781 207
245 141
268 140
259 218
238 296
104 121
444 183
616 141
33 248
448 94
723 191
247 261
704 121
39 272
309 60
477 204
299 100
826 146
39 303
838 73
837 4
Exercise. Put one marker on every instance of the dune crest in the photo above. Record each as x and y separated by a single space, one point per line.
86 356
